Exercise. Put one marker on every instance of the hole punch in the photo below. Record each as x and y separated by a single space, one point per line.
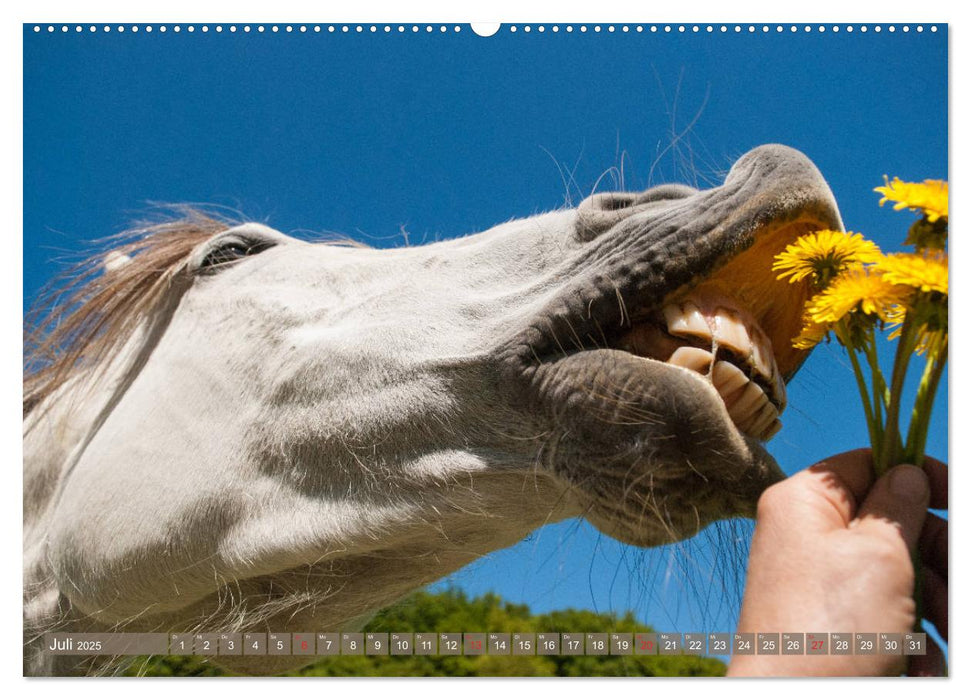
485 28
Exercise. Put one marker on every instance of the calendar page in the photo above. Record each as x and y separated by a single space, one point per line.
516 349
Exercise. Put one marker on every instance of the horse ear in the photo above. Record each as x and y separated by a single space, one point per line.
115 260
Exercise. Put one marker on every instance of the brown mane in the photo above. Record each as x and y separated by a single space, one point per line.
84 317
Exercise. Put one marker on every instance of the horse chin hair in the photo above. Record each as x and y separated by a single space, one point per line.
707 571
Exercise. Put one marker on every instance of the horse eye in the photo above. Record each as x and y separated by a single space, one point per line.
230 252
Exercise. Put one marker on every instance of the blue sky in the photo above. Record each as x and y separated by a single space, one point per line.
448 134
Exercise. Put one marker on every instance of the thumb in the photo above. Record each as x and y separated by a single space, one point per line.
898 500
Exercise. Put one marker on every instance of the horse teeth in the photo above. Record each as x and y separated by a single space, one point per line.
744 425
732 329
723 327
779 389
692 358
747 404
730 332
771 431
753 414
749 408
749 401
686 319
759 360
728 378
764 418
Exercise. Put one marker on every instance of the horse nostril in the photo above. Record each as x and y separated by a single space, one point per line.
615 202
609 201
600 212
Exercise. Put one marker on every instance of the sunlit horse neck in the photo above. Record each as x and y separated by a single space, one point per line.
231 429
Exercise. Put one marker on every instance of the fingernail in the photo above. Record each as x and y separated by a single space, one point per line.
909 483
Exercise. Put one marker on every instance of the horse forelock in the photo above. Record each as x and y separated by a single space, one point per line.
86 315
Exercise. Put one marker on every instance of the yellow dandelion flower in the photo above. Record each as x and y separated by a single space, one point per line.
895 317
928 273
930 341
811 335
930 336
860 289
823 255
930 196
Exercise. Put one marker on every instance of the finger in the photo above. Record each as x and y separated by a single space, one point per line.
842 479
935 601
897 501
933 545
929 664
937 473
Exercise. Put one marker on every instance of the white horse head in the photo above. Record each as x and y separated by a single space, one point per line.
233 429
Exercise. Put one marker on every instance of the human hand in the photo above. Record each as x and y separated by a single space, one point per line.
832 553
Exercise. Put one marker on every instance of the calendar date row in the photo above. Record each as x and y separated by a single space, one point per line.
490 643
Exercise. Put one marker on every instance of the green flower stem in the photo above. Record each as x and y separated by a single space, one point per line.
923 405
881 395
892 451
914 452
842 333
872 426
